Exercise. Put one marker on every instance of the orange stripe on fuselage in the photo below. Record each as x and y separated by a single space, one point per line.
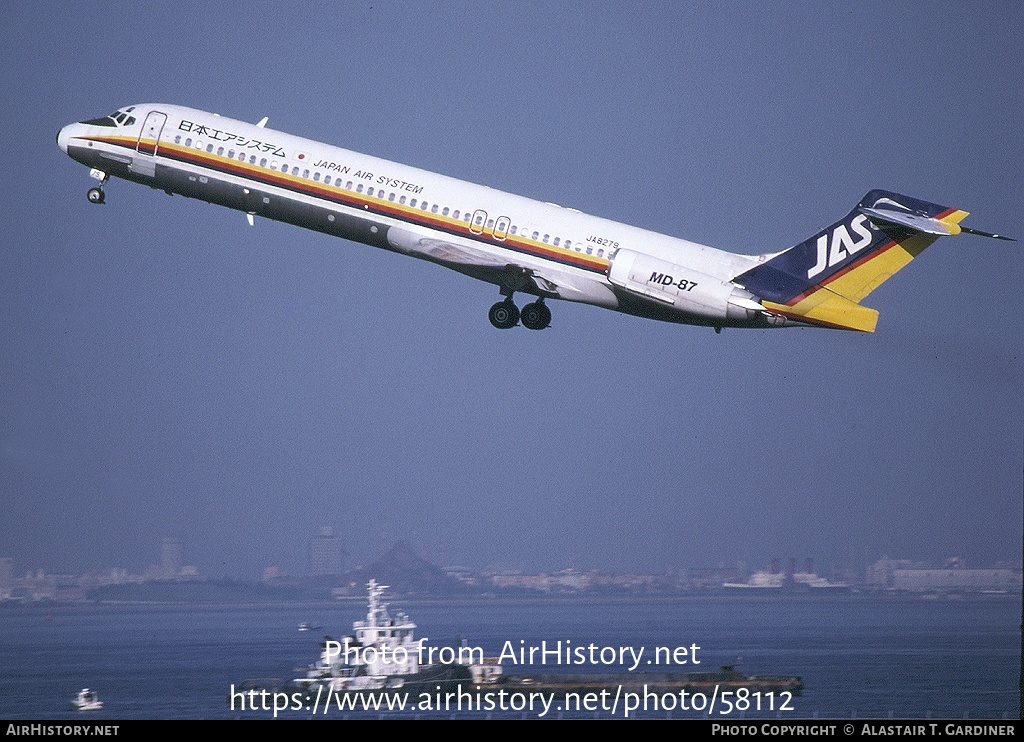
359 201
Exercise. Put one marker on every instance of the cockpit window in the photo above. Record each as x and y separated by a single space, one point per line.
117 118
105 121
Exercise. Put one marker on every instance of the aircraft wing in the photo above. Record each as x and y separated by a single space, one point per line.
441 251
486 266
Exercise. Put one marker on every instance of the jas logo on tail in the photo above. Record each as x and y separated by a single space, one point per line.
836 247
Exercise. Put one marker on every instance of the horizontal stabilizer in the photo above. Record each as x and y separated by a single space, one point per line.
969 230
929 225
829 310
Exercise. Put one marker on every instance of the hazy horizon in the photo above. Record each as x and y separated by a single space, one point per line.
436 556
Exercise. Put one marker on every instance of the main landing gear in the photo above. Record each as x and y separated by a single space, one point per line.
504 314
534 316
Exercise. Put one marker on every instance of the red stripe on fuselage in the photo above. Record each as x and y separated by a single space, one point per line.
237 167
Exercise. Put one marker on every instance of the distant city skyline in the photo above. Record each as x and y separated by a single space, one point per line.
410 574
327 556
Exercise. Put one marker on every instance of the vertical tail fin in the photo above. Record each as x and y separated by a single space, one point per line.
822 280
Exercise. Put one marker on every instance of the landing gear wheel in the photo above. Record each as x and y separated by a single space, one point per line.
536 316
504 315
96 196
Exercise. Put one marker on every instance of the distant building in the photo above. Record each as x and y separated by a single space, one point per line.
704 578
518 580
465 575
326 555
170 557
6 577
966 580
574 580
40 586
903 574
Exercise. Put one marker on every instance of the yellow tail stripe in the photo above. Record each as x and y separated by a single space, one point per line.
828 309
861 280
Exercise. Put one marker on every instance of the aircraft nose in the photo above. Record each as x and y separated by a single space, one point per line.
62 138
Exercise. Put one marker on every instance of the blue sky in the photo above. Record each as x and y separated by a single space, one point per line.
168 370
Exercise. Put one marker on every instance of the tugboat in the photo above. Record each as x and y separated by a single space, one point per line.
381 655
87 700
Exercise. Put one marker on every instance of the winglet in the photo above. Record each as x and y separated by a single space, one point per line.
263 121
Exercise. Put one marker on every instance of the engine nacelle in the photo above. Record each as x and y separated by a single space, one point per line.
685 289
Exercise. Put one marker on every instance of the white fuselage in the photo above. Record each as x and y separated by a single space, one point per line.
515 242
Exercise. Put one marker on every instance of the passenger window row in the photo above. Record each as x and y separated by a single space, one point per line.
380 193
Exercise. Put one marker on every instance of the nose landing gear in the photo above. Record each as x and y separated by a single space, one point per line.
96 195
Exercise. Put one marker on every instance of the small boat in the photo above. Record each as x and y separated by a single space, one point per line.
87 700
305 626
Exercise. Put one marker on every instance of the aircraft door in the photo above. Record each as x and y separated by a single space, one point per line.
149 137
144 161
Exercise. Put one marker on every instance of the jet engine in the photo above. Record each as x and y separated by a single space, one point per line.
688 291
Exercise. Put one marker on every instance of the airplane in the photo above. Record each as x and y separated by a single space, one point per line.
520 245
